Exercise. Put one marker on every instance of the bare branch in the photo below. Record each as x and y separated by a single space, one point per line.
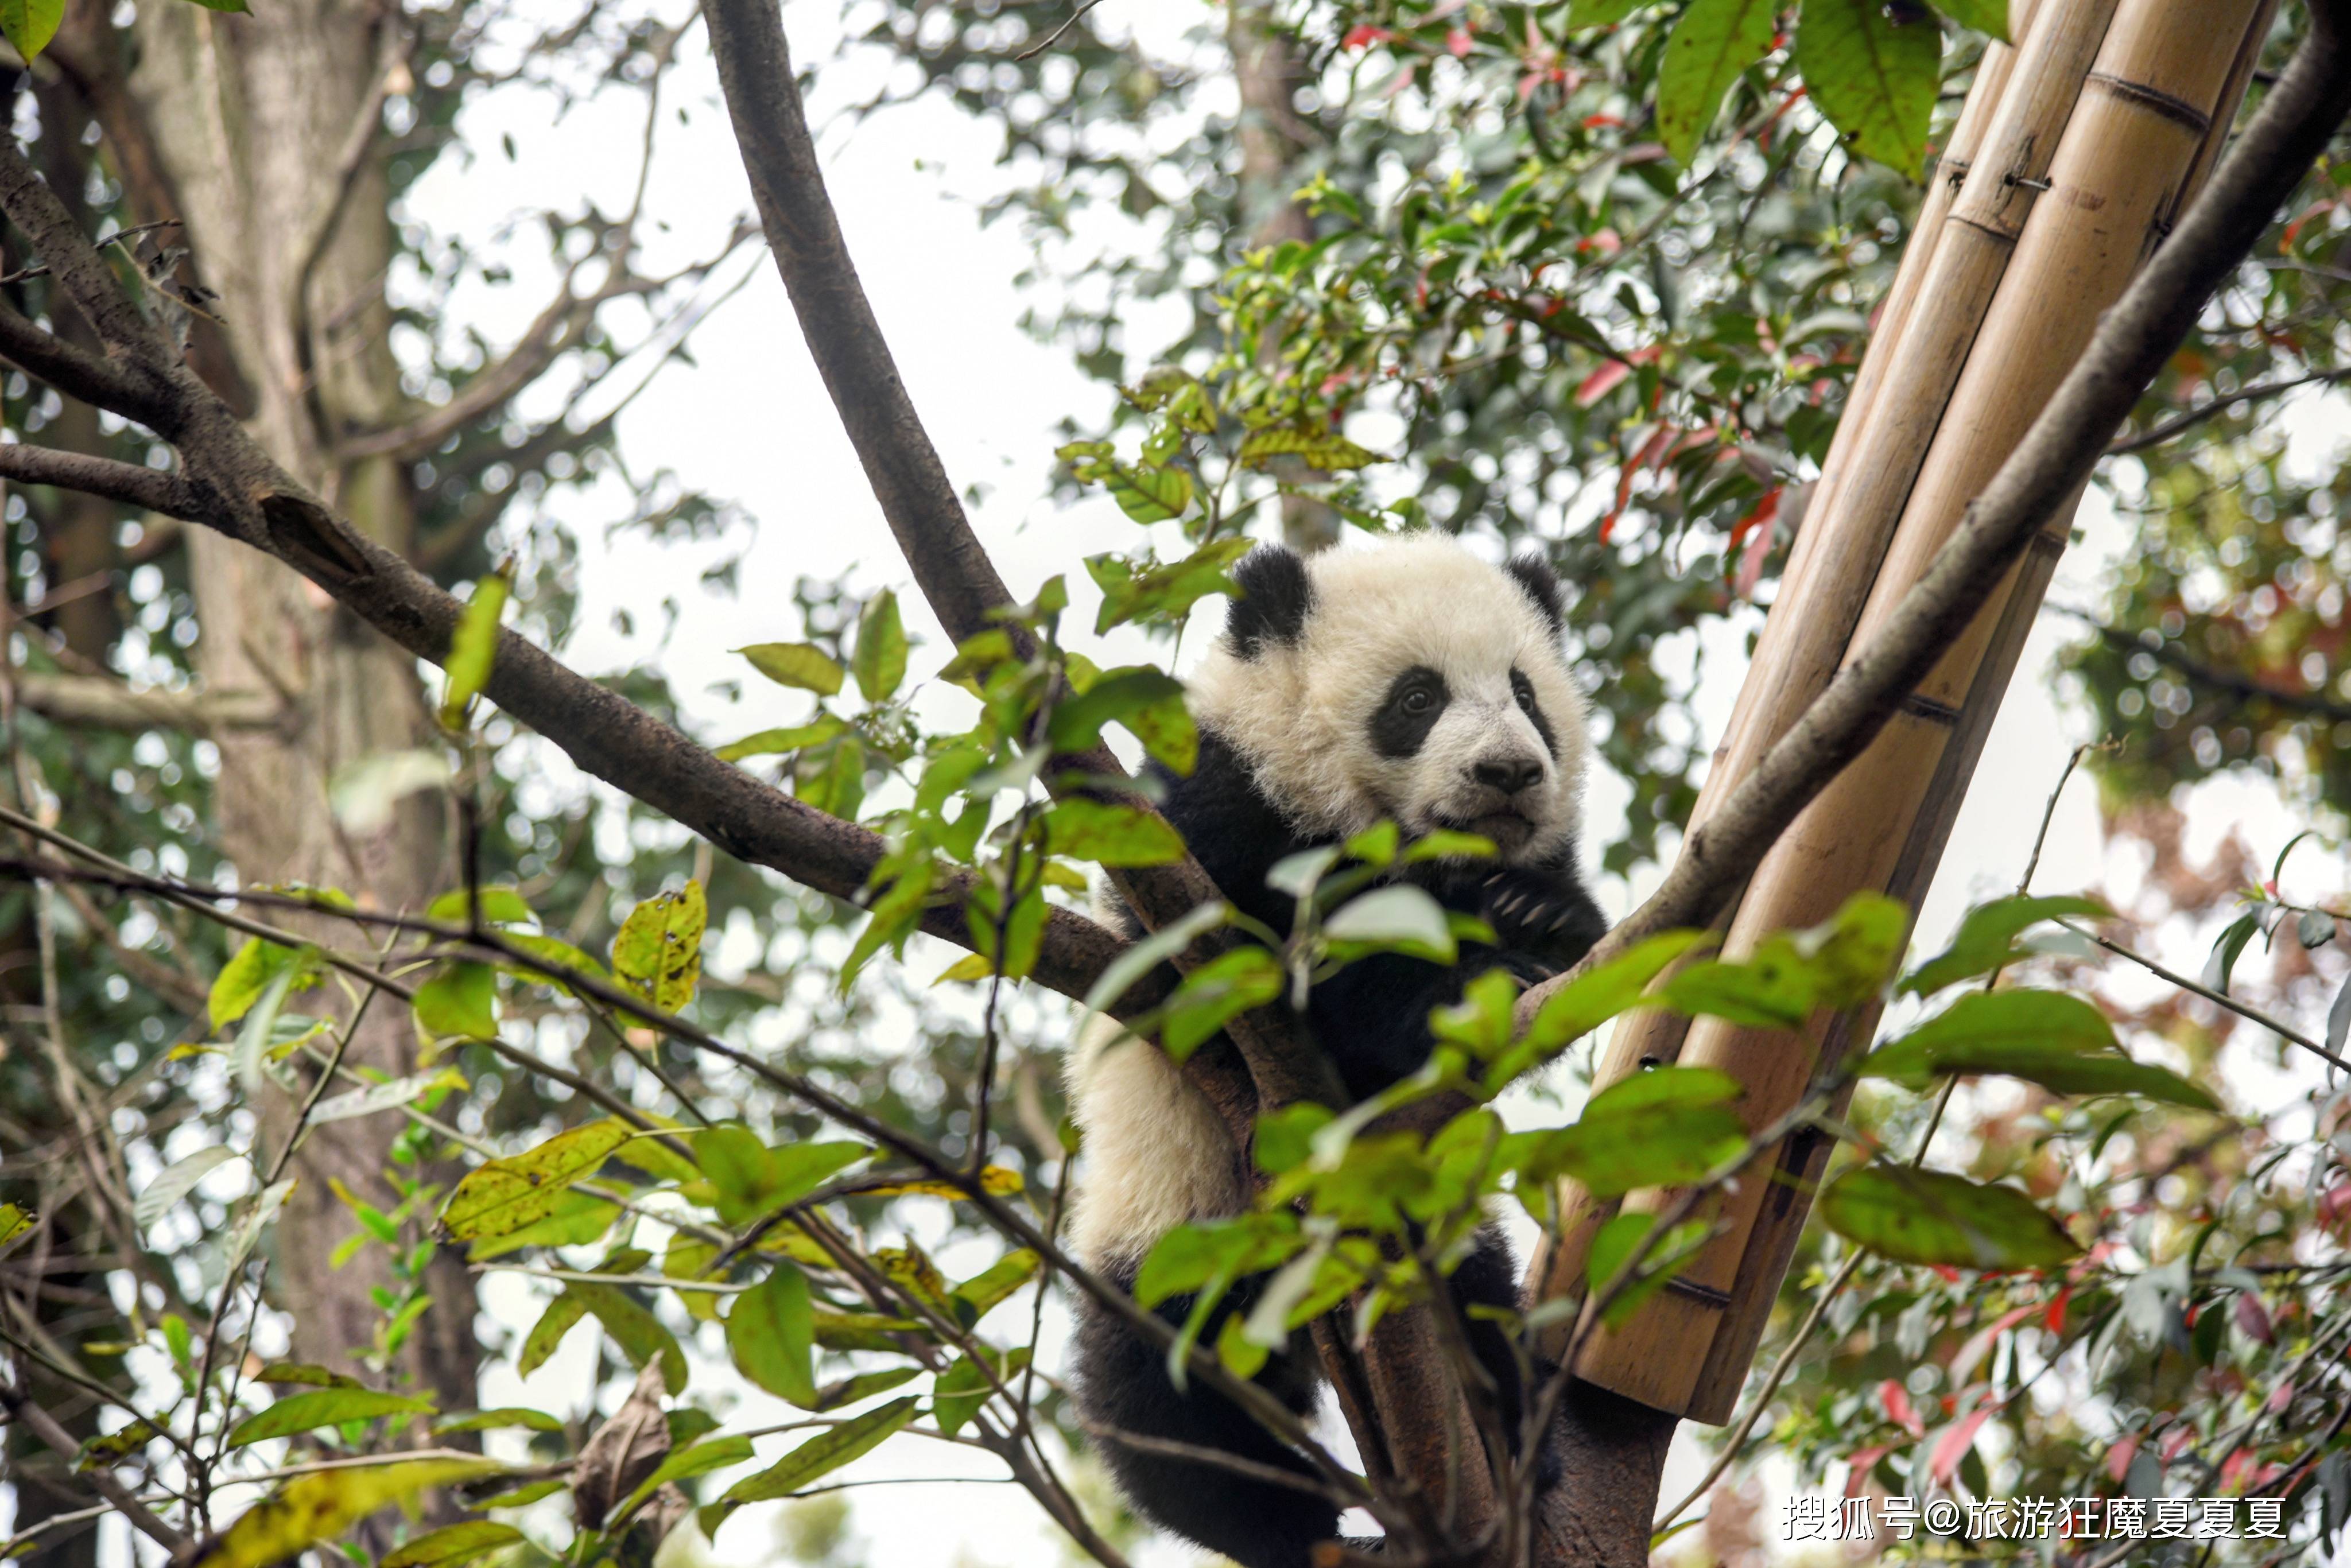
98 702
2133 341
151 489
2163 651
19 1405
125 330
99 382
2164 430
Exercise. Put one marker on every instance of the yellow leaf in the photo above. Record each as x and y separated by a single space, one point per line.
996 1181
323 1506
970 966
507 1195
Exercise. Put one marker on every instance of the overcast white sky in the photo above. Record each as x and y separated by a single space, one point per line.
750 421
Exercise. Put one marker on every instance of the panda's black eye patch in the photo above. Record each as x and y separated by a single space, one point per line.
1415 701
1524 690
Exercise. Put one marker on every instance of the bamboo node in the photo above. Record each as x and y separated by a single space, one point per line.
1704 1295
1919 706
2177 110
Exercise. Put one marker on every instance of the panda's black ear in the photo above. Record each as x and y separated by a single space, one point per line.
1276 597
1534 574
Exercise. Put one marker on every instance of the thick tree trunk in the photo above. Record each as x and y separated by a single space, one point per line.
237 123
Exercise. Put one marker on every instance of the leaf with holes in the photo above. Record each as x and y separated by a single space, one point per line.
658 953
1315 448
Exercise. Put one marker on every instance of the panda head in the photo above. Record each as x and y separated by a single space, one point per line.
1408 680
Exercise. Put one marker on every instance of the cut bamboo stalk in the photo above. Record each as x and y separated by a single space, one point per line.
1779 1222
2130 147
1983 101
1958 266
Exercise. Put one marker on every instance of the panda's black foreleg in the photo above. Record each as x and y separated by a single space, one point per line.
1123 1387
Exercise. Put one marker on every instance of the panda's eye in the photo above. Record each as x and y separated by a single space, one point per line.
1415 701
1524 690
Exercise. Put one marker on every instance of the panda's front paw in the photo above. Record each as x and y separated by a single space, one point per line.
1528 911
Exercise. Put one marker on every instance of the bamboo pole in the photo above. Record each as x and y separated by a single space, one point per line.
2135 140
2006 134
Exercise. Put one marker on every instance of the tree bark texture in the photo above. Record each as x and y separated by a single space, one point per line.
234 123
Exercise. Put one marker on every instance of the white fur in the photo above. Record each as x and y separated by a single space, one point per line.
1301 714
1157 1155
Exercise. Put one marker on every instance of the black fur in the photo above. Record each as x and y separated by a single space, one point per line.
1275 598
1534 574
1524 690
1415 701
1372 1019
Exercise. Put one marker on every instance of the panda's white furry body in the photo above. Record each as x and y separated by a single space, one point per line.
1408 681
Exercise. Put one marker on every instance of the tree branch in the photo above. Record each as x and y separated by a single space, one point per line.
150 489
2164 430
98 702
19 1405
2133 341
2164 651
102 383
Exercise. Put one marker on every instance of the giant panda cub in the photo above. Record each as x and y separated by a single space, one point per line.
1408 681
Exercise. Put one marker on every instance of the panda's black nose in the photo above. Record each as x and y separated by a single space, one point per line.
1509 774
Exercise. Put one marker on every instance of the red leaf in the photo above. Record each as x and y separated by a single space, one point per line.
1978 1344
1953 1445
2253 1318
1858 1466
2178 1439
1458 41
2119 1456
1899 1409
2054 1319
1363 36
1600 382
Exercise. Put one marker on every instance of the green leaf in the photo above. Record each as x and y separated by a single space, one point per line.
1874 77
29 24
245 978
473 645
984 1292
771 1335
560 956
1399 918
1712 45
1317 448
1162 592
458 1003
321 1407
176 1181
1111 835
1601 13
1664 1127
823 1454
698 1459
1592 998
2225 951
1189 1256
501 1417
1115 694
1987 939
234 8
960 1391
1927 1216
768 742
1989 17
658 952
801 666
752 1181
2059 1041
639 1334
880 660
1614 1249
452 1545
1141 957
1216 992
506 1195
14 1220
366 795
577 1219
325 1505
258 1032
562 1315
499 906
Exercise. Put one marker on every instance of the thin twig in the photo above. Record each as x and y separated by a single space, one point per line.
1050 39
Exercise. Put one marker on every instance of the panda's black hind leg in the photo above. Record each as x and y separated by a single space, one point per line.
1490 1277
1122 1386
